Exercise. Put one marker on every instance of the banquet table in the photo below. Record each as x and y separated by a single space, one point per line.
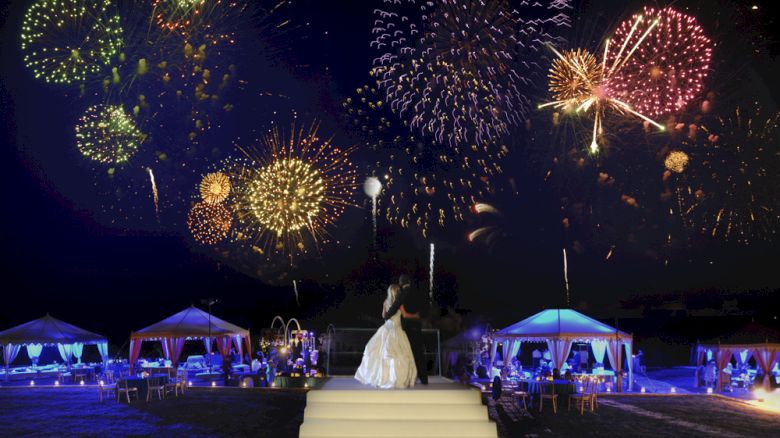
142 383
533 387
295 382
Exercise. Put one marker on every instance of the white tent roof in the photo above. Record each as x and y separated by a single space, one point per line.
191 322
48 330
560 324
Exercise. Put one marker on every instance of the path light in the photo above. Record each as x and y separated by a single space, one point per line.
32 382
101 383
56 383
189 383
213 384
642 390
609 389
709 390
673 390
243 384
306 385
81 383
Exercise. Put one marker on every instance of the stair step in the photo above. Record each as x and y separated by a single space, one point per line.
406 428
401 396
394 411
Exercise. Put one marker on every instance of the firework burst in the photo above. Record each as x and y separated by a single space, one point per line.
214 188
728 189
108 135
209 224
666 70
460 71
655 64
426 186
289 197
66 41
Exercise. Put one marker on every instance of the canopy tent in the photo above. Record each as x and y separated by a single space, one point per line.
190 323
753 339
559 328
49 331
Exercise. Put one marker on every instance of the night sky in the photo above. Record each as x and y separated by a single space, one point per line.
90 249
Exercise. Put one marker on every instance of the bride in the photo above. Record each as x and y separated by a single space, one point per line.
387 360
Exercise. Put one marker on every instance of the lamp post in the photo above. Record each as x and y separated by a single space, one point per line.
209 302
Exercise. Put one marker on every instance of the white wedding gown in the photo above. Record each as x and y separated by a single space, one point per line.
387 360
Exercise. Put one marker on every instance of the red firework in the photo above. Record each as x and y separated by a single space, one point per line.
666 70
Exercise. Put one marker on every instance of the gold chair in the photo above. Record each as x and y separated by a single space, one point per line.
155 385
123 388
547 392
79 375
172 385
108 388
586 397
181 380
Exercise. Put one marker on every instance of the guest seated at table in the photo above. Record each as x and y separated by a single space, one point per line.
556 373
568 376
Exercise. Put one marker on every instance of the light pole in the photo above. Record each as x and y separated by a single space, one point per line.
209 302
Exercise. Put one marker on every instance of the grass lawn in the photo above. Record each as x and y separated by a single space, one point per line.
638 416
235 412
201 412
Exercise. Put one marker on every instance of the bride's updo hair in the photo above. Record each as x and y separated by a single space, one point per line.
392 294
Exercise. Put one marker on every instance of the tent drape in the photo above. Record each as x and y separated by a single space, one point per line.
615 355
223 345
630 363
559 351
514 349
744 356
66 352
172 348
9 354
103 350
135 351
722 358
493 350
766 357
239 348
599 350
78 349
248 343
34 352
208 342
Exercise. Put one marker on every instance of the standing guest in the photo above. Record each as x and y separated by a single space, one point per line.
227 367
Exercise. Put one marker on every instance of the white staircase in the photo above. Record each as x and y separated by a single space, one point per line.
344 408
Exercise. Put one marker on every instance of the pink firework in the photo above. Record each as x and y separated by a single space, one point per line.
666 70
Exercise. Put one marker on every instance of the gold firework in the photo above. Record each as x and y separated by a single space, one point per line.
574 77
209 223
579 86
676 161
214 188
293 193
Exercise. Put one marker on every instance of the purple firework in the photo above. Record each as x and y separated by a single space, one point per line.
460 70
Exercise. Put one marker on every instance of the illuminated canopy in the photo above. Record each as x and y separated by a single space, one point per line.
49 331
564 324
560 328
190 323
753 339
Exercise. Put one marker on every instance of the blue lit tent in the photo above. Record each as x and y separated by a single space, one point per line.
560 328
49 331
